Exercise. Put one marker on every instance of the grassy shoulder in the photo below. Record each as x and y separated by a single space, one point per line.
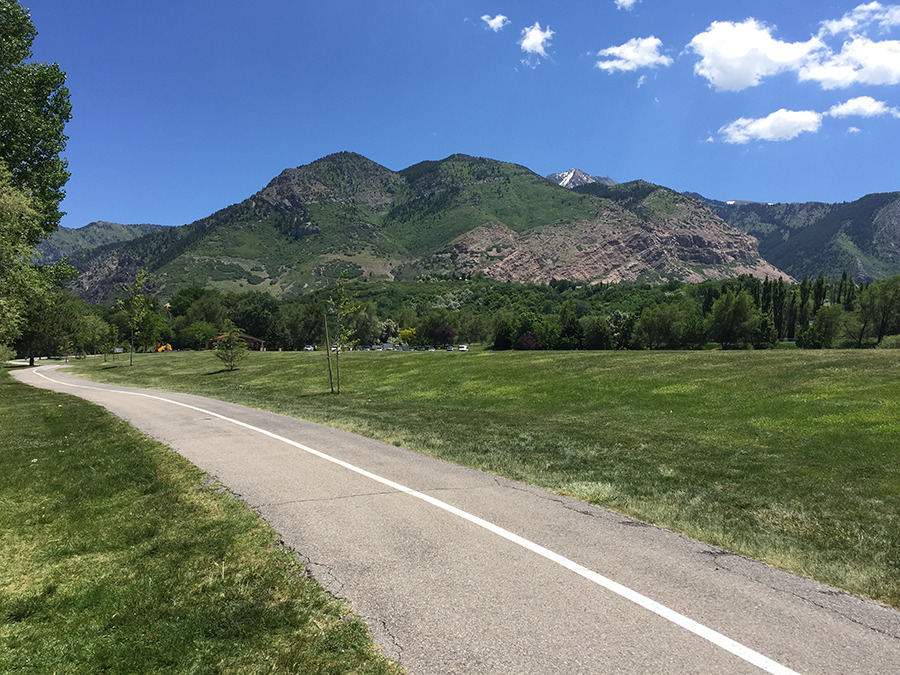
790 457
118 555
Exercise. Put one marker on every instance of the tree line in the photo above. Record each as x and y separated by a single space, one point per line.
740 313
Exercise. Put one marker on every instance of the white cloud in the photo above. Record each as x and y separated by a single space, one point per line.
853 130
861 61
626 4
782 125
863 106
862 17
634 54
785 125
535 41
735 56
641 80
495 23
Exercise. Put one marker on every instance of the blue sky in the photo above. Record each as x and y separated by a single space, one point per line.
181 108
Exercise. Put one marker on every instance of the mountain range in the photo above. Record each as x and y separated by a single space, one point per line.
861 238
465 215
65 241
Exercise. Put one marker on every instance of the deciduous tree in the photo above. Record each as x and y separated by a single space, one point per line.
197 335
34 110
408 336
571 332
135 305
596 333
733 320
256 312
819 292
879 304
657 327
341 305
18 220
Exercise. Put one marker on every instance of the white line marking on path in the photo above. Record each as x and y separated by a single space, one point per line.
716 638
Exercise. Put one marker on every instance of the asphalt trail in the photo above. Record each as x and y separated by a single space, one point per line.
457 571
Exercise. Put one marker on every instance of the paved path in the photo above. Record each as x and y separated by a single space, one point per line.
457 571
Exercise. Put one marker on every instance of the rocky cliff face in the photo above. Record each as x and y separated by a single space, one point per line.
106 276
617 246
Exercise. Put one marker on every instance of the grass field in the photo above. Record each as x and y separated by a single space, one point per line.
117 555
790 457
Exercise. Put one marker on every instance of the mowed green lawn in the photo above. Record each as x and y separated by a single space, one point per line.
790 457
117 555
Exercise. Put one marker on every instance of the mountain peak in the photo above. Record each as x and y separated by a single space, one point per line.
343 177
575 177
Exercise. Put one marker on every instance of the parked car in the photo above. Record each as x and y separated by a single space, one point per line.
464 348
449 348
309 348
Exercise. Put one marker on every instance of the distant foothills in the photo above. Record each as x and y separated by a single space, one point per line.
466 216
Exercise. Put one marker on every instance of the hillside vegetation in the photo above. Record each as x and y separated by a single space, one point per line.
861 238
65 241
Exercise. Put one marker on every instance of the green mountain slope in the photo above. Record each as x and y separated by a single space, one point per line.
861 238
66 241
446 199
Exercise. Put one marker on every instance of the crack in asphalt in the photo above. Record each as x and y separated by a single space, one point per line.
397 647
336 498
718 554
570 503
323 573
537 492
357 495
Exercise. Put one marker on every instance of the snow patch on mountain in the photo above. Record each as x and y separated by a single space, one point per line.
575 177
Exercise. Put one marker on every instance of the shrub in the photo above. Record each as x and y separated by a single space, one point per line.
890 342
231 349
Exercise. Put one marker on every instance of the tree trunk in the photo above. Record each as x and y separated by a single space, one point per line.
328 355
